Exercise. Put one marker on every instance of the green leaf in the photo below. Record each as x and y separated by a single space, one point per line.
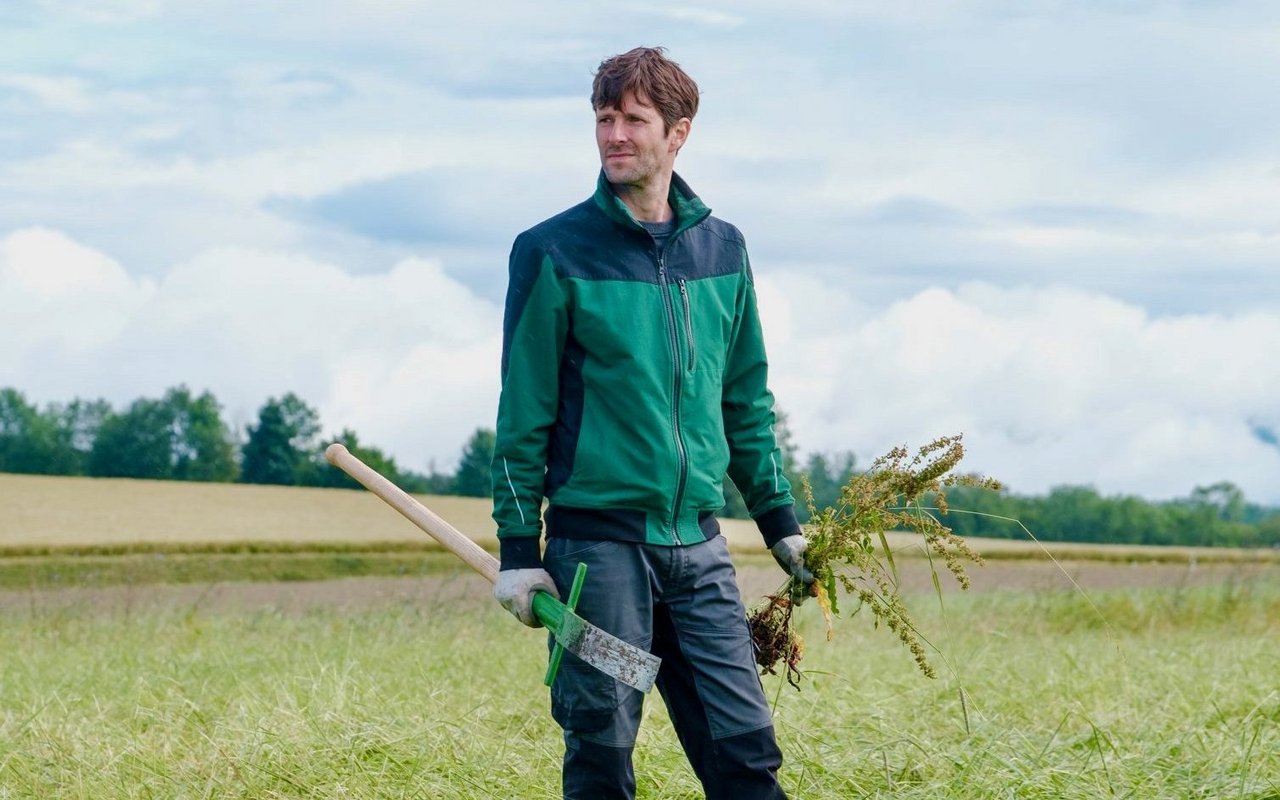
888 554
933 573
937 587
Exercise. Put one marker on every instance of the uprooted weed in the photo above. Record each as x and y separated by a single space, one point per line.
848 552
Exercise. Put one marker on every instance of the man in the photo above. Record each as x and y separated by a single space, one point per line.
633 376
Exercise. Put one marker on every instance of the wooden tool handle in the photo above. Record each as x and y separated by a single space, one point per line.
415 512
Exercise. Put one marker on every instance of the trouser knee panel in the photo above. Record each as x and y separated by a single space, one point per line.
746 767
596 771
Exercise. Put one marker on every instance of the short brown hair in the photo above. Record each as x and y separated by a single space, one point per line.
649 74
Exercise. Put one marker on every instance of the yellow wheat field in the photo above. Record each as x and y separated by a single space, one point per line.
60 512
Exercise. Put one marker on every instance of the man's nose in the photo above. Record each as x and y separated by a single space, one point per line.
617 132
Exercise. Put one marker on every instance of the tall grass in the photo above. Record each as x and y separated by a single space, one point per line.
1174 695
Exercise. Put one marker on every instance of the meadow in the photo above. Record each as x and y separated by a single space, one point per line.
1156 678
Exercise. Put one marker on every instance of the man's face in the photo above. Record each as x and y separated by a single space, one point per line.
634 148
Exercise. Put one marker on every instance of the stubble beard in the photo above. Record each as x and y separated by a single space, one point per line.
636 175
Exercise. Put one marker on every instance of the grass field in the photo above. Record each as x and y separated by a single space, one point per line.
213 679
433 692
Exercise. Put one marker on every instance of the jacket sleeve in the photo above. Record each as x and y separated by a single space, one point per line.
755 461
533 335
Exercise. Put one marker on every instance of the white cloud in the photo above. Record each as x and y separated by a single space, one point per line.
1242 195
407 358
105 11
74 95
872 150
58 93
814 120
1049 385
316 163
699 16
59 298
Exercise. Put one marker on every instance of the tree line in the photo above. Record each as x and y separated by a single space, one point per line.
1211 516
1217 515
183 436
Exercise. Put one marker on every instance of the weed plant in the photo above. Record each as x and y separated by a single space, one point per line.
849 553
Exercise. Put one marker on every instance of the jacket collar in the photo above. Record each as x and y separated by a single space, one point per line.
689 208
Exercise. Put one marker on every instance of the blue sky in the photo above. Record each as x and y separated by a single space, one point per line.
1053 226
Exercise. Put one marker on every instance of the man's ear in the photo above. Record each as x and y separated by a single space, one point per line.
680 134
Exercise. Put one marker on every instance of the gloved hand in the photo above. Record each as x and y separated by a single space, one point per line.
789 553
514 590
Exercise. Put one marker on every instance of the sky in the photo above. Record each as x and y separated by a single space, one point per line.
1051 226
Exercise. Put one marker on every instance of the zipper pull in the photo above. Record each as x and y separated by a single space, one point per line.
683 291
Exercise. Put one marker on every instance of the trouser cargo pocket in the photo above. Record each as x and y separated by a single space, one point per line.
583 699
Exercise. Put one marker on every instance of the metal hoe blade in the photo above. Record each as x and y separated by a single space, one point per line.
619 660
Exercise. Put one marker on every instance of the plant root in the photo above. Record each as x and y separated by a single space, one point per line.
775 639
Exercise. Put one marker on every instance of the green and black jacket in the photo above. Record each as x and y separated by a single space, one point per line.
631 382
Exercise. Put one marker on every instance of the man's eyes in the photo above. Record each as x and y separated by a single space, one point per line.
629 121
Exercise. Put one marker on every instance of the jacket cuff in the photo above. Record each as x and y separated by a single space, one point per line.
778 523
519 552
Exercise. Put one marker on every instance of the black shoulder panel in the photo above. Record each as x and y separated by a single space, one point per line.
584 243
709 249
523 267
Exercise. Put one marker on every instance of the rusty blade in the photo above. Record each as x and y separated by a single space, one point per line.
622 661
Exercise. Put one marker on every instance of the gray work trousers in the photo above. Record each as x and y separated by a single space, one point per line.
682 604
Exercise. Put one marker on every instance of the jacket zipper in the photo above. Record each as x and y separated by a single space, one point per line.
688 322
677 375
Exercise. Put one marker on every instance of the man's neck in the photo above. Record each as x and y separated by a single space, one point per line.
647 203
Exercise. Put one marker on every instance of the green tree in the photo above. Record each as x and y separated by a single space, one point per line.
1226 499
433 482
74 428
283 443
178 437
475 476
321 473
24 438
55 441
827 475
201 442
134 444
1268 531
